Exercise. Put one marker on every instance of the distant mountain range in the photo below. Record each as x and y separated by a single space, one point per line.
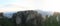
9 14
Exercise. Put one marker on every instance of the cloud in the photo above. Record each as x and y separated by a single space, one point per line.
12 7
16 5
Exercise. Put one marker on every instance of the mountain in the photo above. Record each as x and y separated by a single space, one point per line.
9 14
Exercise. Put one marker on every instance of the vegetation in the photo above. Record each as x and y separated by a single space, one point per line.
50 21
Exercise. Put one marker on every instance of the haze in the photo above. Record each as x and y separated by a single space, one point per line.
20 5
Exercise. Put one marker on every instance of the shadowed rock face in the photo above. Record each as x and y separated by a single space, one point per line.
27 18
1 19
1 15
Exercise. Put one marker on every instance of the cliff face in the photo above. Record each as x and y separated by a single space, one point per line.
1 15
28 18
44 13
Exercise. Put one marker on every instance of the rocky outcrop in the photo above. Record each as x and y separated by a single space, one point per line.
1 19
27 18
1 15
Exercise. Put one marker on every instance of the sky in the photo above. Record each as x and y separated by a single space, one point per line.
21 5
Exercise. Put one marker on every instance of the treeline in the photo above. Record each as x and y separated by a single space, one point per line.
52 20
5 21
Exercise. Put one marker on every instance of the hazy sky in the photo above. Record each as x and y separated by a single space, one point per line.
19 5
